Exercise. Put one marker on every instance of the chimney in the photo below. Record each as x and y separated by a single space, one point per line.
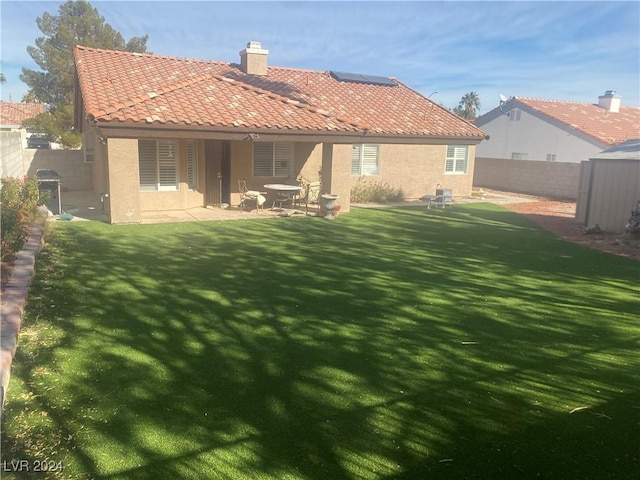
253 59
610 101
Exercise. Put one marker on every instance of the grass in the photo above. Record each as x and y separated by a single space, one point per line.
394 343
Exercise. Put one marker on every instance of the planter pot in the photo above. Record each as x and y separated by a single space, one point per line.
329 205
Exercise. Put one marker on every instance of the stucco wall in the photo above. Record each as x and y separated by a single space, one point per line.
553 179
535 137
336 173
307 164
11 163
181 199
124 198
418 169
74 173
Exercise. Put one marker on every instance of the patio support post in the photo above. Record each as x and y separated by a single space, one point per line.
336 173
124 195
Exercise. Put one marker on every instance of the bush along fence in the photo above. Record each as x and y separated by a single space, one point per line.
633 225
22 238
19 200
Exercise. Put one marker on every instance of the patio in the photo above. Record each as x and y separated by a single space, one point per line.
85 205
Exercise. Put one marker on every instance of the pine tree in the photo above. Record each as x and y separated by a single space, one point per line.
77 23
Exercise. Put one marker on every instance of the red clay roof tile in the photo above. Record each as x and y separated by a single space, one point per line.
597 122
125 87
16 113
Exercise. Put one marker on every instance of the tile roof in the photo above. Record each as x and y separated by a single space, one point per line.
628 150
16 113
590 119
151 89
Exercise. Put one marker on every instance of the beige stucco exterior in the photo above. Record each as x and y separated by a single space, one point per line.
416 169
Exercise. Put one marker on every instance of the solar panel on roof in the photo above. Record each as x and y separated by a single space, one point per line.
360 78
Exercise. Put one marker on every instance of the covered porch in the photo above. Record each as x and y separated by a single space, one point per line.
85 205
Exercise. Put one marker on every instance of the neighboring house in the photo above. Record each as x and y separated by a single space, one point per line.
174 133
610 187
556 131
13 136
13 114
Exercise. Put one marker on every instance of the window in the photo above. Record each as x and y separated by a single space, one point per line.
158 160
551 157
457 159
272 159
88 146
364 159
519 156
515 114
192 164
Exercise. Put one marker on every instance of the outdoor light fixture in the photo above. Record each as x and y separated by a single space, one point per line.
253 137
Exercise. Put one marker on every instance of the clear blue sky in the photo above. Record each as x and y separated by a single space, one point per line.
555 50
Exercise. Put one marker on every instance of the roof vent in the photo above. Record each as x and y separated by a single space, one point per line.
253 59
610 101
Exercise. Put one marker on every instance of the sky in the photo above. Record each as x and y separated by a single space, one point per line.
572 51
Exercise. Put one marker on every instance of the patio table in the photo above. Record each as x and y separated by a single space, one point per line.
281 188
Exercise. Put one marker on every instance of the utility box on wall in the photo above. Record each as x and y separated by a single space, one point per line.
49 184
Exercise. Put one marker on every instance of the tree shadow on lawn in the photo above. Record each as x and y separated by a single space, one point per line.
361 348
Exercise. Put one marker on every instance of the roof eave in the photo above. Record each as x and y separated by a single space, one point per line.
134 130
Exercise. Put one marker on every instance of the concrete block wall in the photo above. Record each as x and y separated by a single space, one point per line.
549 179
74 173
11 155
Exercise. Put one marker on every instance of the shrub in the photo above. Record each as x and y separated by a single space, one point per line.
633 225
366 191
19 200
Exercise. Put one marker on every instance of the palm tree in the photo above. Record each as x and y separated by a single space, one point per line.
2 78
469 104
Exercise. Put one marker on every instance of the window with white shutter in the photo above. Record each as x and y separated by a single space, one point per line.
192 164
457 159
272 159
158 160
365 159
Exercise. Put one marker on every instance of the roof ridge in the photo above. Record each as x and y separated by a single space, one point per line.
147 96
152 55
296 103
199 60
186 83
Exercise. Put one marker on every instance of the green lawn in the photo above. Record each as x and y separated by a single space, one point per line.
398 343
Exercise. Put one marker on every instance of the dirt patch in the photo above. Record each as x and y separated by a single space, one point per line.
557 216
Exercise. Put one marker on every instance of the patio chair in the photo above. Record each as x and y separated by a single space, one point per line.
283 197
252 195
442 197
311 196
